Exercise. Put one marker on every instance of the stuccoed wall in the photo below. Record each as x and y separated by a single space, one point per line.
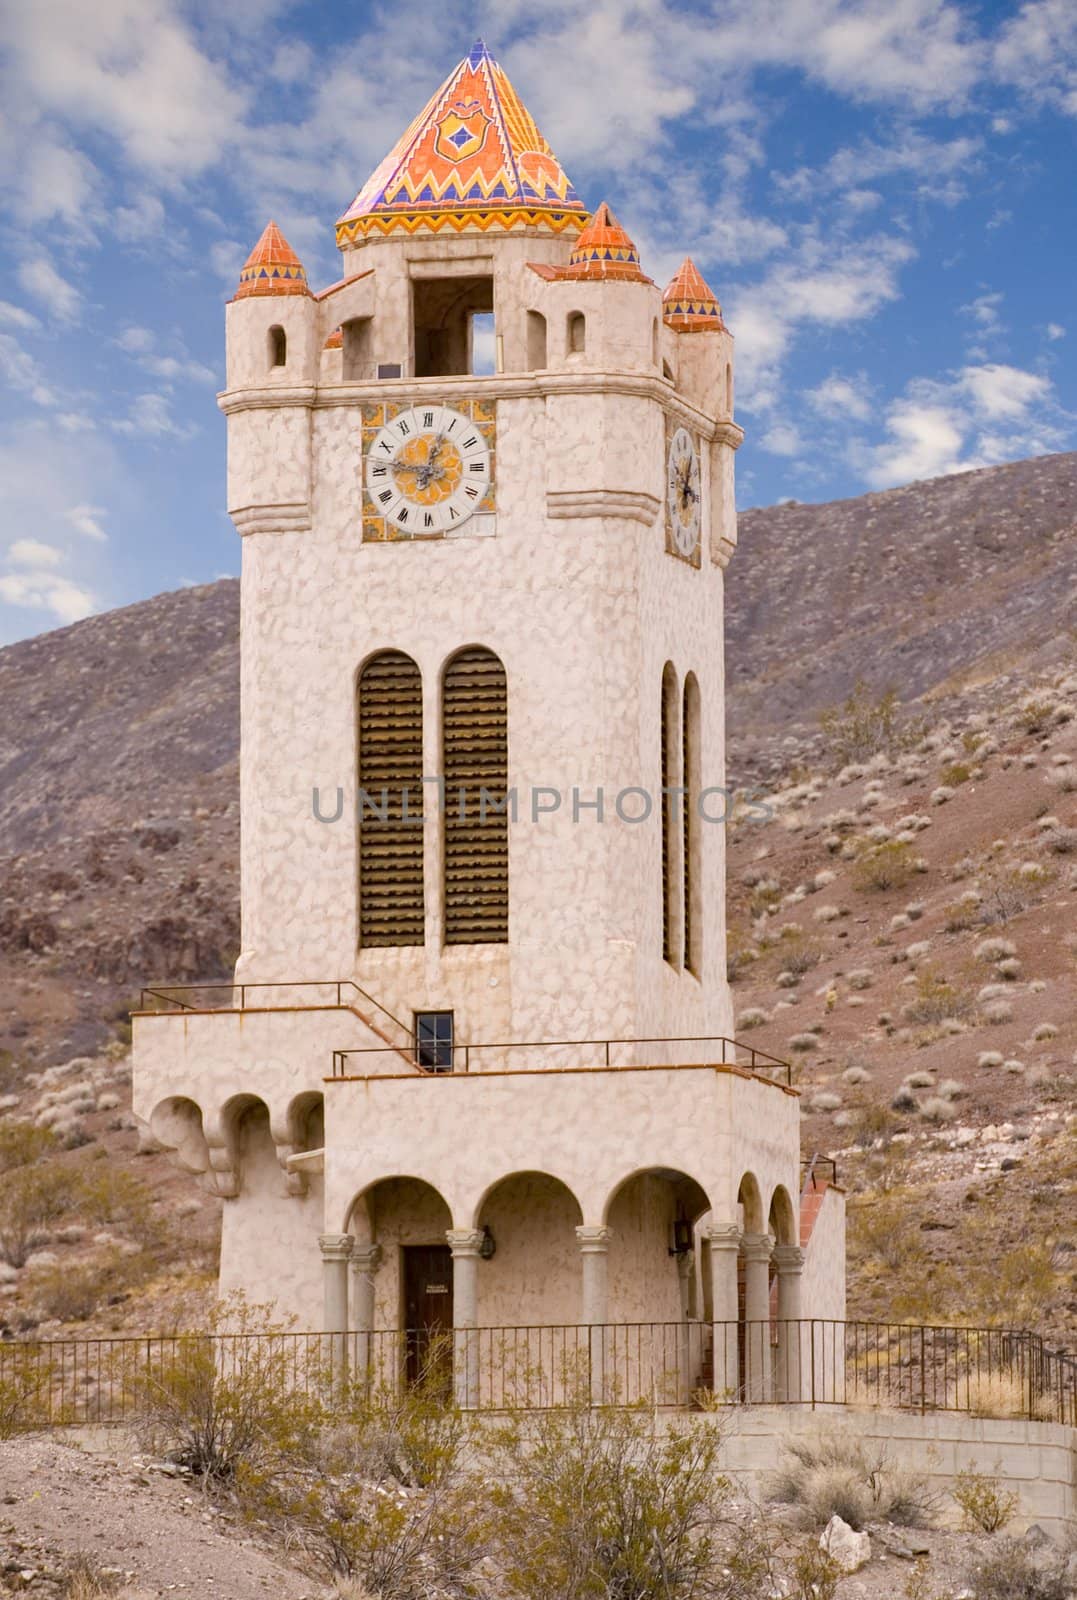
1033 1459
823 1284
269 1239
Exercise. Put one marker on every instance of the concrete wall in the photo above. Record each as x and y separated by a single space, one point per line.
823 1287
1037 1460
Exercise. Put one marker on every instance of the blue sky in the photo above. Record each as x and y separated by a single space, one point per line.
881 192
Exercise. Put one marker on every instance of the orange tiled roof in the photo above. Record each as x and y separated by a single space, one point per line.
602 252
335 340
272 267
473 158
689 304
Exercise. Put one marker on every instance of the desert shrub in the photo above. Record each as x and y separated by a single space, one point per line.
1011 1571
936 1109
84 1579
955 774
985 1506
871 1123
829 1475
30 1198
381 1493
110 1195
610 1501
861 978
753 1017
225 1408
1034 715
861 726
799 955
935 999
803 1042
72 1291
21 1144
25 1382
885 866
815 1573
886 1231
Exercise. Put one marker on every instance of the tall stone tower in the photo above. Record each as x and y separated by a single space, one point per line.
484 485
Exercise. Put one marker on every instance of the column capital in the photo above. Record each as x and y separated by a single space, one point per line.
756 1246
336 1246
367 1258
722 1236
594 1240
464 1242
788 1258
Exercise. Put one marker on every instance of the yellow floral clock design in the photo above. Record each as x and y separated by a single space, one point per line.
428 471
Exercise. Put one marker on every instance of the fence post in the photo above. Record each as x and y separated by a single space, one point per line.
813 1364
923 1369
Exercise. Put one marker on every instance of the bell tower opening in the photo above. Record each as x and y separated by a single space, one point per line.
452 326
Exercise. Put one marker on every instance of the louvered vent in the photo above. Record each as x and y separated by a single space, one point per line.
390 716
475 761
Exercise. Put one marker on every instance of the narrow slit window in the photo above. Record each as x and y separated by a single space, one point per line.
577 333
390 772
278 347
476 819
669 779
691 832
536 341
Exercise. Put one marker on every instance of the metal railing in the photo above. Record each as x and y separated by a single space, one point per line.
569 1055
315 994
814 1168
895 1366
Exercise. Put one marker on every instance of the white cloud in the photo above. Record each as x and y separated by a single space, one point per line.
21 372
32 553
782 439
86 520
16 317
141 344
127 68
46 591
823 287
984 311
136 340
1036 51
940 426
842 397
40 278
911 153
1055 330
143 219
151 415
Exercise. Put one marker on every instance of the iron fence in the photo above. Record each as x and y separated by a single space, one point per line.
897 1366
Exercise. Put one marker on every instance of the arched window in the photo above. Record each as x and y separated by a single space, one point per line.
729 388
475 764
278 346
576 333
389 714
691 835
655 357
536 341
670 764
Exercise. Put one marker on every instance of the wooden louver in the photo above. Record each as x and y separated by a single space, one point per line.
474 762
666 735
390 726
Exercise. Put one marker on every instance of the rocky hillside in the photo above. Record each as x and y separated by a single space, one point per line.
904 928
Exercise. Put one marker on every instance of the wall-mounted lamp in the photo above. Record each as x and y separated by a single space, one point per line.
682 1237
488 1247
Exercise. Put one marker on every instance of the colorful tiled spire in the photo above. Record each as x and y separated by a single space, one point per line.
689 304
473 158
272 267
604 250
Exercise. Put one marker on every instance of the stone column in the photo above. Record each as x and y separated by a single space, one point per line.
365 1261
465 1244
594 1243
722 1241
688 1353
788 1385
756 1248
336 1251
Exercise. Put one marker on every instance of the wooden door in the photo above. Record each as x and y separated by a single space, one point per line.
428 1308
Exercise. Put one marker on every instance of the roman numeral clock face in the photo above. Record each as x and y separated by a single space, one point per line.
428 471
684 497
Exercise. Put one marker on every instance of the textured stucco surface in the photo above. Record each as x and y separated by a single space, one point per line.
575 592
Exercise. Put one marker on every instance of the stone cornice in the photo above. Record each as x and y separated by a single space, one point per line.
626 504
502 386
288 517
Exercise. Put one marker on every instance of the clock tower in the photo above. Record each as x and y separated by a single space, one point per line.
484 486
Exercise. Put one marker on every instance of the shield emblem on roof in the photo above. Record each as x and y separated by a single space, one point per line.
461 131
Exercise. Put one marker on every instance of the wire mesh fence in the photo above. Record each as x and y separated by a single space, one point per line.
989 1372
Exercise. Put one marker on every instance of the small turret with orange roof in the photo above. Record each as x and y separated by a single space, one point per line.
689 304
604 250
272 267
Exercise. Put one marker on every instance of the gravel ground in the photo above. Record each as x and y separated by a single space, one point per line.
59 1500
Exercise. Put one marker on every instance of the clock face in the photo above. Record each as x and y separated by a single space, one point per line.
683 493
428 470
